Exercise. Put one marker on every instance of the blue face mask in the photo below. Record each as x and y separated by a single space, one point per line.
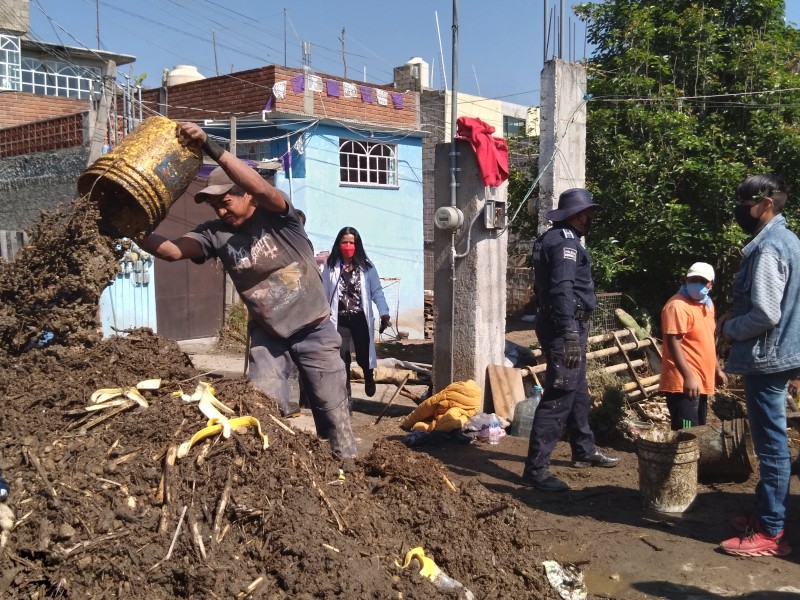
697 291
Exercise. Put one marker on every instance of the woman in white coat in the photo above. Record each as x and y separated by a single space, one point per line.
352 285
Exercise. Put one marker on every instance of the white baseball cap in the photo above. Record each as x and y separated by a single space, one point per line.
701 269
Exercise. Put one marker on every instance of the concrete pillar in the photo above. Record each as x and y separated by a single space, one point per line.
477 336
562 145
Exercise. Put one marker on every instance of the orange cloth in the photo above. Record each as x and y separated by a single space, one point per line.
696 322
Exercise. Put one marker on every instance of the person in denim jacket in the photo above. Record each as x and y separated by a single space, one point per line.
763 328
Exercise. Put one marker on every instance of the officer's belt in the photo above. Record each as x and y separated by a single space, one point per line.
581 314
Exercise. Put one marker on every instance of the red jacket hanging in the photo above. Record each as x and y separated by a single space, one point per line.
490 152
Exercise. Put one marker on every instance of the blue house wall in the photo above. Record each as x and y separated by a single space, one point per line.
388 219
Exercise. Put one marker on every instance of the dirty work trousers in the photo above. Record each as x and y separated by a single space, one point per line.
315 352
565 403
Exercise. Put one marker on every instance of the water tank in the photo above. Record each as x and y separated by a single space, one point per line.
420 70
183 74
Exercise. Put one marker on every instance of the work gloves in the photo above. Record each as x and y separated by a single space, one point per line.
572 349
384 323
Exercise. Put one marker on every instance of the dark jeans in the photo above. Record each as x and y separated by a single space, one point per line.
565 403
684 410
315 351
353 326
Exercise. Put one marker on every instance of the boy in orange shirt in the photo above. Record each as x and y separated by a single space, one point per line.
689 368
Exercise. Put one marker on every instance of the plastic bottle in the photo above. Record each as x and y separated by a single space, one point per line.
4 488
522 423
494 430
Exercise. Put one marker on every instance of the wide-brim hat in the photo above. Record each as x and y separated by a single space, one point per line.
570 203
218 184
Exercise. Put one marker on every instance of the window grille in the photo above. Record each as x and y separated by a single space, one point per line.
367 164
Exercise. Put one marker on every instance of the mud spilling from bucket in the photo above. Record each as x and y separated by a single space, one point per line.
136 183
667 470
49 292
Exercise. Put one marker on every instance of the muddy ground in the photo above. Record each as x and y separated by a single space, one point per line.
101 509
98 513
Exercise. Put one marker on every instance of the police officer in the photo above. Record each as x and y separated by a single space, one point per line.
565 293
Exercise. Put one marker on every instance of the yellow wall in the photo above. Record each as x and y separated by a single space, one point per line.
490 111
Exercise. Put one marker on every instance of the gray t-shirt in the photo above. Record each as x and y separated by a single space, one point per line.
270 261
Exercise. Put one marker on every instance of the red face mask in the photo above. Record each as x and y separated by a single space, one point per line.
347 249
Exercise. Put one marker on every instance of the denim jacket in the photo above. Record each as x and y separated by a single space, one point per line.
766 322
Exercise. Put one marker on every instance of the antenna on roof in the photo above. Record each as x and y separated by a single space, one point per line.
214 43
441 52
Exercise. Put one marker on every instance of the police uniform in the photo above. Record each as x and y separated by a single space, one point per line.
566 298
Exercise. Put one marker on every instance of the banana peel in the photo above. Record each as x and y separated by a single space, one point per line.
214 427
206 391
133 394
103 395
430 570
209 409
149 384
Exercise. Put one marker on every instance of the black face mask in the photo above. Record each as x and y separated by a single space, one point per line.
748 223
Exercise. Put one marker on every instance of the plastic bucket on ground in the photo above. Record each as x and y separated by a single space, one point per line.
726 451
137 182
667 470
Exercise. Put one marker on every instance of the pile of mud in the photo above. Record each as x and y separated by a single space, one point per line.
102 512
96 515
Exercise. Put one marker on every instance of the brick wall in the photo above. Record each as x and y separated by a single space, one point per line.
19 108
246 93
519 282
43 136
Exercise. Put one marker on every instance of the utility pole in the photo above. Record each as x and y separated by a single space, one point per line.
214 43
97 18
284 38
98 116
344 56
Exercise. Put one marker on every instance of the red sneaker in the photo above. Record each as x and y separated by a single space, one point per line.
754 543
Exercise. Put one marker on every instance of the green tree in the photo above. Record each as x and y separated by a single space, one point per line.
523 167
688 97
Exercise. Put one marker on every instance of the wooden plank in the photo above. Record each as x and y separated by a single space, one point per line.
506 389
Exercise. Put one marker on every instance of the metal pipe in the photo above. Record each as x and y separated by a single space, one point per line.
453 182
546 23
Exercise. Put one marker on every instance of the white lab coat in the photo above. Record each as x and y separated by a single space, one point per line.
371 291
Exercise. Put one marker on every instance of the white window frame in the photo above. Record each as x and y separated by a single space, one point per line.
10 62
367 164
55 78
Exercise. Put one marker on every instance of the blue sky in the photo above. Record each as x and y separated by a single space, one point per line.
500 43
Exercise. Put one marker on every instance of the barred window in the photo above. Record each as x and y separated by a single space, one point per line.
367 163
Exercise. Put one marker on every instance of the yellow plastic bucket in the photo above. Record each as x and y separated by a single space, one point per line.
137 182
